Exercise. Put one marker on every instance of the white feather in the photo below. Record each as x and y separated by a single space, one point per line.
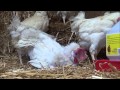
18 30
46 52
39 20
93 31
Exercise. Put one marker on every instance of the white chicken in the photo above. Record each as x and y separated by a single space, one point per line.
45 52
62 14
42 49
92 32
66 15
38 21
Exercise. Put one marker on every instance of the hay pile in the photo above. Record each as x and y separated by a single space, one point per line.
11 68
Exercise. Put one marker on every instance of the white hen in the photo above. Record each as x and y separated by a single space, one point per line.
66 15
45 52
39 20
92 32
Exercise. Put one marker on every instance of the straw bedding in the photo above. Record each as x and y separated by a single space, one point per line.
10 67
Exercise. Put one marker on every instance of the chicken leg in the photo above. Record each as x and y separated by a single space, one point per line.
70 37
20 56
93 57
63 19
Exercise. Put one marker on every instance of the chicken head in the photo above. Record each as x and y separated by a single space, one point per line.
80 55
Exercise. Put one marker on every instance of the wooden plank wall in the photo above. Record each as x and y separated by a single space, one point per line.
91 14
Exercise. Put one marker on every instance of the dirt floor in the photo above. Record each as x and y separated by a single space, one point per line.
10 67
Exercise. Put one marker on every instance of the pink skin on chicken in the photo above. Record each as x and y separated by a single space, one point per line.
118 19
80 55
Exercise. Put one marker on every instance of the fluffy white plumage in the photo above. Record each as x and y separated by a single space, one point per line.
39 20
42 49
45 52
92 32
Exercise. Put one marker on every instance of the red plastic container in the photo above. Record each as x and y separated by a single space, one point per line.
107 65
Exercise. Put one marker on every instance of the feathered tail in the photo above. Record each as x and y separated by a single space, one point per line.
12 28
15 22
22 36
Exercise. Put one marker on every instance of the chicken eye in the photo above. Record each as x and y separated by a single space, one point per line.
75 53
